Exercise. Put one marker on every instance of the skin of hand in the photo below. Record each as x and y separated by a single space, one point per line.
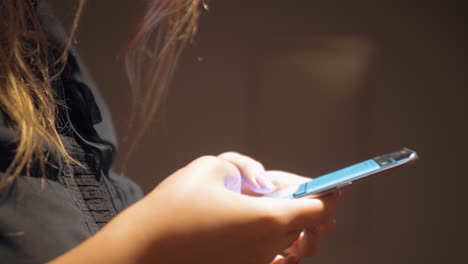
253 171
198 215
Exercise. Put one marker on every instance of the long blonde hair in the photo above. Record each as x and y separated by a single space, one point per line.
26 94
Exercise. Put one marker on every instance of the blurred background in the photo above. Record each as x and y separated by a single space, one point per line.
310 87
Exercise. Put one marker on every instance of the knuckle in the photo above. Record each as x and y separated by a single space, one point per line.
214 164
208 160
229 154
241 159
256 163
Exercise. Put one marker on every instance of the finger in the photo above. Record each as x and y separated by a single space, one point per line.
284 179
291 259
328 218
214 170
285 183
328 225
293 249
252 171
330 200
309 240
307 243
278 260
295 214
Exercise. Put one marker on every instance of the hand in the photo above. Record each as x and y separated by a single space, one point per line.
192 217
309 240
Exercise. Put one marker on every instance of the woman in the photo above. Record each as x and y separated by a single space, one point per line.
60 202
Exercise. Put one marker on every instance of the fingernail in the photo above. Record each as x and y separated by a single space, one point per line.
264 182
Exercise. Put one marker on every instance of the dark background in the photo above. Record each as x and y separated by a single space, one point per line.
310 87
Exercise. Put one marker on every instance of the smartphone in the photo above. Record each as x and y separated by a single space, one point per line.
340 178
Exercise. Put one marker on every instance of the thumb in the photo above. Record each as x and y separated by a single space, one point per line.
298 213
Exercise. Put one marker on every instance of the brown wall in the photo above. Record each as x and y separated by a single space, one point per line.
311 86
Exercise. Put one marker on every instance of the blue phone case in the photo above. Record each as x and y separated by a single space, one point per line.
346 176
